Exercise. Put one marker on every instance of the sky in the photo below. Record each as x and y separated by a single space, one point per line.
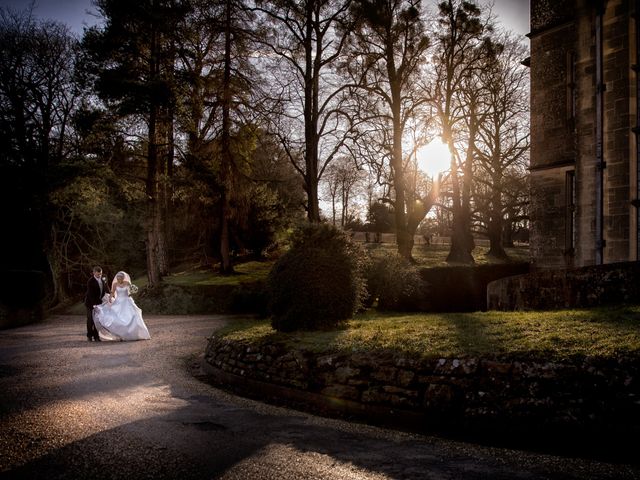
513 14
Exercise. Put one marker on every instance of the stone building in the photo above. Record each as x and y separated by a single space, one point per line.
584 125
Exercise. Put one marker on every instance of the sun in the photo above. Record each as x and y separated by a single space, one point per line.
434 158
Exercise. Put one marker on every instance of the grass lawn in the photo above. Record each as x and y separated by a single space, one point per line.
557 335
245 272
436 255
248 272
425 255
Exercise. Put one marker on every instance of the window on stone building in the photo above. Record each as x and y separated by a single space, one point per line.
570 232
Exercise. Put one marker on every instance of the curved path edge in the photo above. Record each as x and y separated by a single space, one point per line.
587 407
310 401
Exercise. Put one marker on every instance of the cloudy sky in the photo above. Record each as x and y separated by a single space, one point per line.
514 14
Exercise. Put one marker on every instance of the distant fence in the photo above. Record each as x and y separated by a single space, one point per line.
371 237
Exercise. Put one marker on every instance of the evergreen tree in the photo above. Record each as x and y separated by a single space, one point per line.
133 57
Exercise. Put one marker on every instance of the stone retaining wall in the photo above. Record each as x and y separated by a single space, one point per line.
599 394
582 287
464 288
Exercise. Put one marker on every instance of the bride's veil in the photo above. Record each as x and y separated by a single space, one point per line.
127 278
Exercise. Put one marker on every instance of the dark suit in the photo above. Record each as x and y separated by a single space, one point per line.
93 297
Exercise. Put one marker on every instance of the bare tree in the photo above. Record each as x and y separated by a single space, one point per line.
386 55
306 39
342 180
503 138
462 46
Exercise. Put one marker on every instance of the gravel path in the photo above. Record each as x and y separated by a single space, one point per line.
129 410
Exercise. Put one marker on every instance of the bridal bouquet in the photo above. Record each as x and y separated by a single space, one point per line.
133 289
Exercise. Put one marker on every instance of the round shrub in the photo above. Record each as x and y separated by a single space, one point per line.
319 282
396 284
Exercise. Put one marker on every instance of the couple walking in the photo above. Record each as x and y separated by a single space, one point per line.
111 312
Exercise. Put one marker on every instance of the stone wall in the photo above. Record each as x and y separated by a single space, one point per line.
553 129
504 393
571 288
464 288
563 132
619 119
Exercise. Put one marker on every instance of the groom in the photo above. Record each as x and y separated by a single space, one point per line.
96 288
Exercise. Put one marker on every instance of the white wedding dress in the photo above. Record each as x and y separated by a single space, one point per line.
120 320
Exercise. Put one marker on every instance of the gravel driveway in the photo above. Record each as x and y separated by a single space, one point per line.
129 410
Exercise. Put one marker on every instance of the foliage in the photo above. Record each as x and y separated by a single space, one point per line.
93 134
250 298
546 336
169 299
176 300
265 200
95 223
381 218
319 282
395 284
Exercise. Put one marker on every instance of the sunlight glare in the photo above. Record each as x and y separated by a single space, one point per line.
434 157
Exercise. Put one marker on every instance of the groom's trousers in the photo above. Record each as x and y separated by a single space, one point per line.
92 331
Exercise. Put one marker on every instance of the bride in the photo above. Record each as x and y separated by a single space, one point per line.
119 318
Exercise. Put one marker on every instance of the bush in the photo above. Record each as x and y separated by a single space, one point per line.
170 299
396 284
319 282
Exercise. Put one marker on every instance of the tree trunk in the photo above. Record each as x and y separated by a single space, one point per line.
313 206
403 238
153 202
345 206
226 267
507 235
163 192
421 208
168 151
462 243
496 249
333 208
311 92
153 205
226 155
153 243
